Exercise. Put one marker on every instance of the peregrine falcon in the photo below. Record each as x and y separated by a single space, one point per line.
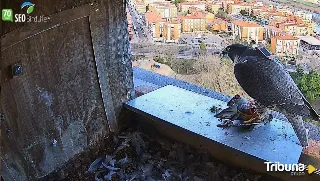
268 82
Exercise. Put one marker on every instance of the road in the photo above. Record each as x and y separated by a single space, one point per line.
141 33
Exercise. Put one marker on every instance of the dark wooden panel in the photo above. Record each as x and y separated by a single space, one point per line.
56 97
55 20
42 7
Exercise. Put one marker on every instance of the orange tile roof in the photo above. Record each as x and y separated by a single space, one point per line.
180 16
246 24
198 16
190 3
153 18
216 20
241 4
287 37
174 22
290 24
275 28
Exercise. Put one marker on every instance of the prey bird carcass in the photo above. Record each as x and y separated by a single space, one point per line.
242 110
268 82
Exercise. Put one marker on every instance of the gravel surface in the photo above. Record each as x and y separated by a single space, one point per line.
150 158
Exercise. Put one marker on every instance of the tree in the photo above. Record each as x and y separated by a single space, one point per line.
309 84
221 14
203 46
300 70
178 1
243 12
252 14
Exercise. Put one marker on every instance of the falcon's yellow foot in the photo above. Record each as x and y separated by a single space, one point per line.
251 120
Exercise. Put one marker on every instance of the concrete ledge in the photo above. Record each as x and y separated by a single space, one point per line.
186 115
148 78
141 75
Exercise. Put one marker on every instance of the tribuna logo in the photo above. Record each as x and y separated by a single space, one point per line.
295 169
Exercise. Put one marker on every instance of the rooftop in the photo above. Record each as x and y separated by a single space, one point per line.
198 16
153 17
191 3
165 4
246 24
287 37
310 40
216 20
241 4
139 3
173 22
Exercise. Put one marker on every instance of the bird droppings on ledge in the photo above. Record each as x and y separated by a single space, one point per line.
141 157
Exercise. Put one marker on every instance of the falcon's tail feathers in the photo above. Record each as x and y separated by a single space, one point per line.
298 127
314 114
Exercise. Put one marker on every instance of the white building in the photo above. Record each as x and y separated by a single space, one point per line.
304 15
184 7
285 45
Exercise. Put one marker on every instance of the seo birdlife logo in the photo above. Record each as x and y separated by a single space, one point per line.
29 5
20 18
7 14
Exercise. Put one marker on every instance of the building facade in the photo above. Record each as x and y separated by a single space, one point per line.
164 9
236 8
213 7
247 31
155 25
140 7
172 31
184 6
285 46
193 23
218 25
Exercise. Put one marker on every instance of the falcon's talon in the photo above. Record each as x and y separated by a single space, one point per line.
226 124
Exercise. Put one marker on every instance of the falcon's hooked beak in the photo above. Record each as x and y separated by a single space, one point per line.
224 53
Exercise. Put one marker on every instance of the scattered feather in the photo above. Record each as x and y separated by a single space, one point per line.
110 168
121 147
95 165
159 159
109 175
124 161
96 176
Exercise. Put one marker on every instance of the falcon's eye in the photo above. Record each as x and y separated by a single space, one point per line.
228 49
